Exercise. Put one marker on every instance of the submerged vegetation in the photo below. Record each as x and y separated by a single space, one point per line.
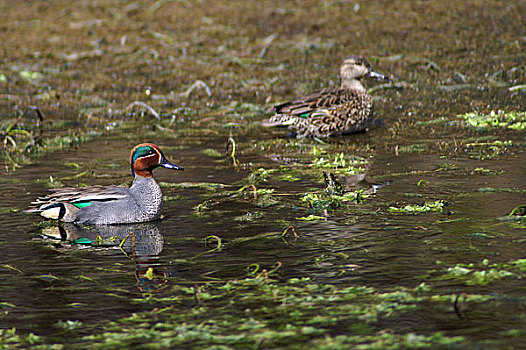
24 140
483 273
276 315
284 313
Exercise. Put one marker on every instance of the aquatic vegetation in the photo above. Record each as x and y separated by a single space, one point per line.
10 338
312 217
142 107
439 121
482 273
259 175
250 216
342 163
451 220
485 171
9 210
495 144
211 76
519 210
31 77
319 202
298 145
69 325
499 119
436 206
415 148
244 109
23 139
504 189
289 177
212 153
488 149
20 138
516 218
333 198
278 313
447 167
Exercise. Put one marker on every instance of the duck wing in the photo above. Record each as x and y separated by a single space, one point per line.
303 106
352 114
79 196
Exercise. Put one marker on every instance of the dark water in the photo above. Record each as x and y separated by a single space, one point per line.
47 279
388 250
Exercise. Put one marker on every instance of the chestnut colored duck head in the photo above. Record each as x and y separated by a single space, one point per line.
146 157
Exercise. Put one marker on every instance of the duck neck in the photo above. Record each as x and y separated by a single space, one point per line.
353 84
143 181
147 191
141 173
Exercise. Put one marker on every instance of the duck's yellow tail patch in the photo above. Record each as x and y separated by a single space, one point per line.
54 211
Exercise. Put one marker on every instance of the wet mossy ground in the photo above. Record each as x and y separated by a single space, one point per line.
391 239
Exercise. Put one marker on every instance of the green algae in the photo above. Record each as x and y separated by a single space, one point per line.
289 177
26 149
436 206
212 153
497 190
10 338
69 325
485 171
4 211
312 217
482 273
499 119
278 313
415 148
485 149
319 202
341 162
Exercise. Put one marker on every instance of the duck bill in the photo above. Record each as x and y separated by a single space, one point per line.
378 76
166 164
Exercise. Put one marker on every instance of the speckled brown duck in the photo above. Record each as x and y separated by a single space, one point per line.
333 111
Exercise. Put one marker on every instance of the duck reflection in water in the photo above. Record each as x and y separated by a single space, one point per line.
141 242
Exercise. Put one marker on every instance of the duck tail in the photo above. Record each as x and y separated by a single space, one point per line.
279 120
59 211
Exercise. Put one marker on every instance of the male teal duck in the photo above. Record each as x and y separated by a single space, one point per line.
100 205
333 111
